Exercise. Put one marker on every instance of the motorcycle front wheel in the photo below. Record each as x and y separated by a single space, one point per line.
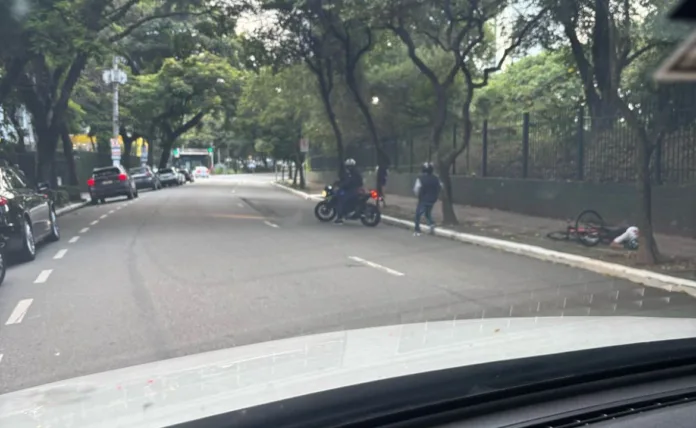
324 212
371 216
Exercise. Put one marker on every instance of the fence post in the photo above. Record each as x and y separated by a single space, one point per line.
454 148
410 150
525 145
581 144
484 150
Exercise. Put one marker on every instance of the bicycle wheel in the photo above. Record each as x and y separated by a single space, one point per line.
588 227
560 235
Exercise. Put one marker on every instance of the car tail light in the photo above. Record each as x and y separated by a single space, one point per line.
122 177
373 194
3 201
90 182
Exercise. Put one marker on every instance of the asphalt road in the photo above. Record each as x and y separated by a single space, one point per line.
234 260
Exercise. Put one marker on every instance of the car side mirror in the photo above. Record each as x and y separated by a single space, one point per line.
42 187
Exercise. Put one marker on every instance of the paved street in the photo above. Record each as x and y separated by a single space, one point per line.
235 260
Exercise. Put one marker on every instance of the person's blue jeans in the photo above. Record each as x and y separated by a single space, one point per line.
345 198
424 209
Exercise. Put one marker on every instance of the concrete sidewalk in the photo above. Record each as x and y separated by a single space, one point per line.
679 252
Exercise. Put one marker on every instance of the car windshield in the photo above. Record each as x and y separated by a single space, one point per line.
436 182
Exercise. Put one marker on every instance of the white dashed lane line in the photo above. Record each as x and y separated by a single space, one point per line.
73 239
0 358
94 222
43 276
111 212
271 224
60 254
19 312
84 230
376 266
103 216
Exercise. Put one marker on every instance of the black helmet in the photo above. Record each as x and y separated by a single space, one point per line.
427 168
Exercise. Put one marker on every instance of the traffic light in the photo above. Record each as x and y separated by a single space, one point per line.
175 152
210 150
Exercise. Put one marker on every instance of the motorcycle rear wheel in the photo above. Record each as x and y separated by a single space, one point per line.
371 216
323 212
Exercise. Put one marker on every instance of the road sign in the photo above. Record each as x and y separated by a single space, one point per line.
175 152
115 149
210 150
681 65
304 145
143 153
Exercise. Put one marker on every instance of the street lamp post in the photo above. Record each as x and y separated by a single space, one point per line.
115 77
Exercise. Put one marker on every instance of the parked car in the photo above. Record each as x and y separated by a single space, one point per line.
145 178
187 174
201 172
110 182
169 177
180 176
27 215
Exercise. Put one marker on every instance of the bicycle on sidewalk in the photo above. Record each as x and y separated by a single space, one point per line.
589 230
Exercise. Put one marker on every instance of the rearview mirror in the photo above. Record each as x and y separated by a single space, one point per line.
42 187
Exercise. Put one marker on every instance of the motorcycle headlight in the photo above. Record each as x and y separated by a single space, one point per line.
323 193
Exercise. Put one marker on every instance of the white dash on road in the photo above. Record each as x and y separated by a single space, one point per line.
73 239
43 276
19 312
111 212
84 230
271 224
0 358
94 222
376 266
103 216
240 205
60 254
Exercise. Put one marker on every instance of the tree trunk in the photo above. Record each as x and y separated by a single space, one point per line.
294 176
300 168
47 140
448 215
164 157
648 253
69 156
127 148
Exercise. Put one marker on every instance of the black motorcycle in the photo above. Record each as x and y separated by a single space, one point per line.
361 209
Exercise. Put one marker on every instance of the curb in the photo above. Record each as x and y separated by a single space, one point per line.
640 276
70 208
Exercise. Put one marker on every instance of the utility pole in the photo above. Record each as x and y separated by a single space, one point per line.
115 77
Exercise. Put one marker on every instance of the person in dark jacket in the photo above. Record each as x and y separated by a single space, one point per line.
349 187
427 190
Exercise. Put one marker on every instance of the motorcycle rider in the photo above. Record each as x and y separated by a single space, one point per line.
349 187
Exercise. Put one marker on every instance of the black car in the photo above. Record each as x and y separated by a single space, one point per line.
27 215
109 182
145 178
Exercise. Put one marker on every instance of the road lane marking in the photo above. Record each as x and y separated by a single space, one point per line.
19 312
43 276
240 205
103 216
238 216
84 230
60 254
376 266
73 239
0 358
111 212
271 224
94 222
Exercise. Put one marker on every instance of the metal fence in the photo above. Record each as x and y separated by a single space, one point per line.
567 146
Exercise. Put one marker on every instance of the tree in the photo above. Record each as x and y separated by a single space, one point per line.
178 97
620 34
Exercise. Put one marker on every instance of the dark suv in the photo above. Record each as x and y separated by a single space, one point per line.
145 178
27 215
109 182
